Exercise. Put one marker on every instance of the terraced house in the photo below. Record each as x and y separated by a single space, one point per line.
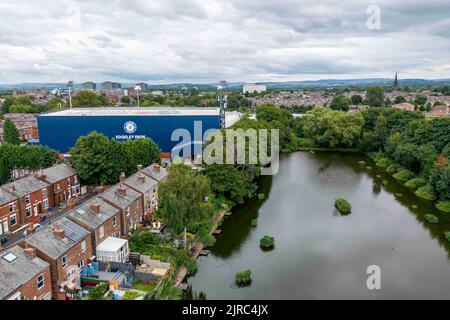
9 212
98 217
67 247
64 182
24 276
147 187
34 198
129 202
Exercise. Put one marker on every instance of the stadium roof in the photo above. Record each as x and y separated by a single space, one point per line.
147 111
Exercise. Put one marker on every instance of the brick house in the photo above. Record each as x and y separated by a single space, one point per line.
404 106
147 187
64 181
158 173
67 247
34 198
98 217
440 111
24 276
9 212
129 202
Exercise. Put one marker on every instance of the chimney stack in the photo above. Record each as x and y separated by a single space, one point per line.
139 167
95 207
122 191
157 168
59 232
122 177
30 253
141 178
70 204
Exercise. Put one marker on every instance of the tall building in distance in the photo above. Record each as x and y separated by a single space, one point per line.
108 85
252 87
396 81
144 86
89 86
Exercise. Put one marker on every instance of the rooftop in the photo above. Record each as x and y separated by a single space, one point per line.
112 244
90 219
59 172
47 242
141 182
147 111
121 201
6 197
154 173
25 186
16 269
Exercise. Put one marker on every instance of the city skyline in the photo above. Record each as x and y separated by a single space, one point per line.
205 41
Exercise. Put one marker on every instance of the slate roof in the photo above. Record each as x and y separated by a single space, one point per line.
19 271
90 219
6 197
122 202
59 172
147 185
51 245
150 171
25 186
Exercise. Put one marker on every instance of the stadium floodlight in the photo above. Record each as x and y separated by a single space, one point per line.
138 88
70 85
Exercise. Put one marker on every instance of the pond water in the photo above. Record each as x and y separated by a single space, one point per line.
319 254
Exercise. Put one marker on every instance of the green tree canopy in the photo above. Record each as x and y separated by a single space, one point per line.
10 132
375 96
340 102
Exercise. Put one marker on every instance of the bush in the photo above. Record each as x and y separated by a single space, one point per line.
343 206
192 267
393 168
254 222
415 183
444 206
447 235
209 241
98 292
267 242
426 192
404 175
244 278
362 163
385 182
261 196
382 162
306 143
431 218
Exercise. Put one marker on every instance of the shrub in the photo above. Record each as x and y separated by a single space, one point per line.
98 292
343 206
426 192
415 183
261 196
385 182
209 241
192 267
306 143
444 206
254 222
267 242
381 161
404 175
244 278
393 168
431 218
362 163
447 235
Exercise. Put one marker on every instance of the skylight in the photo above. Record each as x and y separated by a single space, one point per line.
9 257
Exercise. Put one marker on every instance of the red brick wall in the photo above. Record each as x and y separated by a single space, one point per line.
60 195
5 214
30 291
108 230
36 198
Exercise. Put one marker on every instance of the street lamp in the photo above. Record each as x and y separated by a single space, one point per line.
137 88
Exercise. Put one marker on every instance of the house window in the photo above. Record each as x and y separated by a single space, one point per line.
58 187
27 199
13 219
12 207
114 221
68 181
45 203
80 264
70 274
64 261
102 232
128 211
40 281
28 212
75 179
83 246
44 192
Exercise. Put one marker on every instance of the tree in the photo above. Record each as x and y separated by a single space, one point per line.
182 198
229 181
56 104
142 151
88 99
22 108
420 99
125 100
399 99
340 102
356 99
375 96
90 157
4 172
10 132
380 130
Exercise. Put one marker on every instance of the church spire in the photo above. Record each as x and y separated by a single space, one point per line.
396 81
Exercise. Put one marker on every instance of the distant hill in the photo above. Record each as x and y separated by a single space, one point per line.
330 83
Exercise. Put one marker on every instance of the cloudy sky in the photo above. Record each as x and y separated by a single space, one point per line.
166 41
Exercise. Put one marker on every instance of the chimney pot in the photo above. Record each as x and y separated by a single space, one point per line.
95 208
30 253
140 167
59 232
122 191
122 177
141 178
157 168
